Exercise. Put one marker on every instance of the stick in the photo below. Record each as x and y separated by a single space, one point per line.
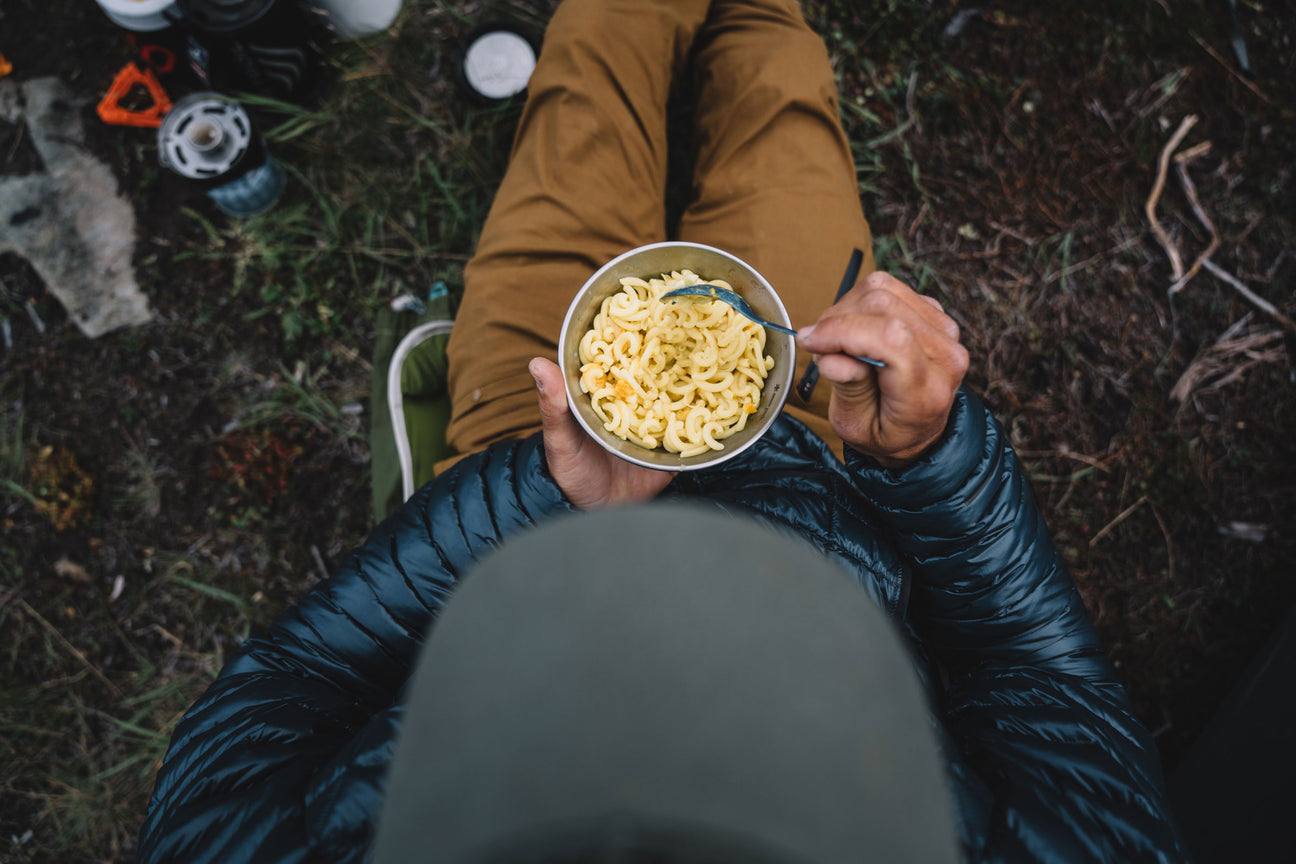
1163 165
1212 52
68 646
1181 168
1121 517
1256 300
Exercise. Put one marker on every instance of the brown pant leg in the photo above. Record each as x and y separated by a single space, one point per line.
774 176
585 182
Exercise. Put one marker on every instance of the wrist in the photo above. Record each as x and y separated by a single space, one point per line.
897 461
932 475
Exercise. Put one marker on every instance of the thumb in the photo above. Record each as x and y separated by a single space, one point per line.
549 387
563 435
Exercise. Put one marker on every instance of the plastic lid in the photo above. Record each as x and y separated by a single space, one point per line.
499 64
204 136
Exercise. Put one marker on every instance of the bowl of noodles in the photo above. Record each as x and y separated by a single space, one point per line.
682 384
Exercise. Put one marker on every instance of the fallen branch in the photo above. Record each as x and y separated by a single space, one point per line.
1163 166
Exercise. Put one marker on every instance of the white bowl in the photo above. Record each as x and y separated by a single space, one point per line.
652 261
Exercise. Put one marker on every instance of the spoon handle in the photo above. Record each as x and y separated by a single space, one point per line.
805 387
877 364
789 331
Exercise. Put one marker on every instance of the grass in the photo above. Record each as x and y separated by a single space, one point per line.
361 221
12 444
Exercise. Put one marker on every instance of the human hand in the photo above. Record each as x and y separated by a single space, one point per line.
893 414
588 475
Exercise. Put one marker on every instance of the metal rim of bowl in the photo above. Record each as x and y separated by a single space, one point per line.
644 262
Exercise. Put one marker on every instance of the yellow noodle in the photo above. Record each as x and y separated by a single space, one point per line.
683 376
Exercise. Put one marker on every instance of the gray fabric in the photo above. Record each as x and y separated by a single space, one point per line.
673 671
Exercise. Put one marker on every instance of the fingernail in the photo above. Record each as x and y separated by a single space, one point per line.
539 384
805 332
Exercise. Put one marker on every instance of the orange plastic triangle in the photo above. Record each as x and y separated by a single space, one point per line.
111 111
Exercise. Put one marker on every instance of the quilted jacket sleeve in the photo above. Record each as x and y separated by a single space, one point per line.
1032 705
283 758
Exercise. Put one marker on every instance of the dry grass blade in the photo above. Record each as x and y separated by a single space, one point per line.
1234 352
1120 517
68 646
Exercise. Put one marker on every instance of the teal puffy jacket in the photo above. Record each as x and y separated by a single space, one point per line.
284 757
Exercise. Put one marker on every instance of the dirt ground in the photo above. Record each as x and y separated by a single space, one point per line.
167 489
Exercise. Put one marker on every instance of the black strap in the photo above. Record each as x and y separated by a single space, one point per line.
805 387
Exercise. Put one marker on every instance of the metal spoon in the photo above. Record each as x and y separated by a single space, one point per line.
724 295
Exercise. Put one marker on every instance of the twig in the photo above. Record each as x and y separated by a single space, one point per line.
1163 165
1168 85
319 562
1121 517
1170 575
1249 85
1125 244
1273 268
68 646
909 101
1181 168
1255 299
1066 452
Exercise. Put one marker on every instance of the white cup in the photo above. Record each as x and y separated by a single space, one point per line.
352 19
143 16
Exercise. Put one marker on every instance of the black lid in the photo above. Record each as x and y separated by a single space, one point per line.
223 16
